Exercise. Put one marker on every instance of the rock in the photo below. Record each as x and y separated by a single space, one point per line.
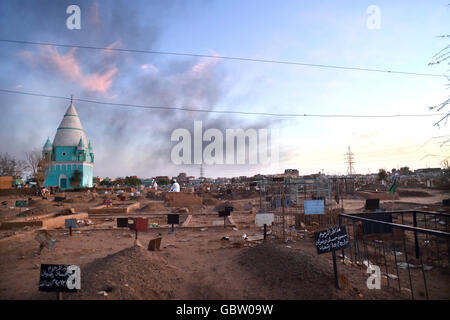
183 210
138 243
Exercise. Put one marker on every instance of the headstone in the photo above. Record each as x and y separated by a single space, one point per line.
372 204
154 244
61 278
375 228
314 206
331 239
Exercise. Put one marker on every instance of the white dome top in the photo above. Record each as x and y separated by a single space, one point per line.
70 130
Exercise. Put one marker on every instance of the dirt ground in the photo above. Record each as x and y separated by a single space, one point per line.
194 263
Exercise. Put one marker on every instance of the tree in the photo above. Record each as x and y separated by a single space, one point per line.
37 165
163 181
10 166
382 174
42 171
404 171
105 182
132 181
76 178
441 57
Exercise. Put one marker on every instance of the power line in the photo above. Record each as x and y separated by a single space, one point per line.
220 111
222 57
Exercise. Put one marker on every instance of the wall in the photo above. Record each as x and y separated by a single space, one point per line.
6 182
68 168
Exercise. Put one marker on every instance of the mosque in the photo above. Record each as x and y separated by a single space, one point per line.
68 153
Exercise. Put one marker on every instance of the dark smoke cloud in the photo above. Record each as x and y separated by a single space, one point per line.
126 141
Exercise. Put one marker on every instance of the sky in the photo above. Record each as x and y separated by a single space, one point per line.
137 141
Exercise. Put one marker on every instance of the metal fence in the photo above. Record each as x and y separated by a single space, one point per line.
410 247
285 198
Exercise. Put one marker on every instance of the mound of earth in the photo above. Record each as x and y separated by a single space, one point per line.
131 274
373 187
209 201
34 212
288 273
152 207
413 193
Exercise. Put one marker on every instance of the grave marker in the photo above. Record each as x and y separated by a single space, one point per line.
21 203
122 222
225 213
372 204
264 219
376 228
173 219
332 239
137 224
59 278
314 206
70 223
154 244
45 240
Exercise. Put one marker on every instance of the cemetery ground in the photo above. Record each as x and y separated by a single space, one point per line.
201 260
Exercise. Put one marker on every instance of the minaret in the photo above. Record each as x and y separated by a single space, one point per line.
47 151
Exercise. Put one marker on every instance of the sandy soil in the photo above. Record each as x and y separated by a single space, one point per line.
194 262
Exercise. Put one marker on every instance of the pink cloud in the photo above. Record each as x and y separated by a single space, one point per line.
70 68
203 66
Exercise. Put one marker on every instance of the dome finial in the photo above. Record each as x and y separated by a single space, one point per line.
71 98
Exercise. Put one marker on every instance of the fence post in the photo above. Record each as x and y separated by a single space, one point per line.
416 241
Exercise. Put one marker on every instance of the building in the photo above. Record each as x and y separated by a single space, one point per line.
6 182
69 152
182 178
291 172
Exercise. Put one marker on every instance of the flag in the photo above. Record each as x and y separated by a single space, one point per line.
393 186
